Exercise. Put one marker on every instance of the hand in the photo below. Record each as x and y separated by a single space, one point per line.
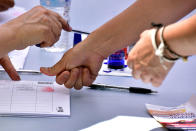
9 68
6 4
145 64
37 26
78 67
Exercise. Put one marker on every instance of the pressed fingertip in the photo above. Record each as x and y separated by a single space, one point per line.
45 71
16 78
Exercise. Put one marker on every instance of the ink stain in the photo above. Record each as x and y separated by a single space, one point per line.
48 89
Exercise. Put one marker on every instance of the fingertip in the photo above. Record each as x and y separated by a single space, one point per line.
18 78
63 77
66 26
15 77
67 86
69 27
45 70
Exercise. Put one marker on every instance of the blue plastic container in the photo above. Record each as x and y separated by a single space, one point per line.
117 60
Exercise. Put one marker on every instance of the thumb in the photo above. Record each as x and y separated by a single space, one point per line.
54 70
9 68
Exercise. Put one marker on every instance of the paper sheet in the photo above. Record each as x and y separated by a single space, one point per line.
33 98
17 56
125 123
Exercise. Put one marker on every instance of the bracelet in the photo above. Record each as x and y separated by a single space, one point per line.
177 56
164 46
160 49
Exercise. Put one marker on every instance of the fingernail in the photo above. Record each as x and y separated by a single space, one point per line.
69 26
18 78
44 70
38 45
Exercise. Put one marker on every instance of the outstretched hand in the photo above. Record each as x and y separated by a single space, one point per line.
145 64
78 67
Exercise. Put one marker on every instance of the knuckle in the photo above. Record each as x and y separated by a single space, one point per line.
39 7
45 30
68 86
45 19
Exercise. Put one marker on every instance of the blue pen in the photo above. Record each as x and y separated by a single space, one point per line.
38 45
77 37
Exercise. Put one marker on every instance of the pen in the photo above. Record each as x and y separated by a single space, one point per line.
130 89
81 32
25 71
76 31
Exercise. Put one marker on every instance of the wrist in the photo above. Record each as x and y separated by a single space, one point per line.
166 52
97 44
8 38
13 35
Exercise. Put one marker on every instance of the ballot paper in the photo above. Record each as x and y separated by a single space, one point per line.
17 57
182 117
33 99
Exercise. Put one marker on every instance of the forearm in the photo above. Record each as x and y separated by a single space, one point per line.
7 40
181 36
125 28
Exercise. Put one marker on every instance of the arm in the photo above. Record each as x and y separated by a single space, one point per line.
125 28
180 38
116 34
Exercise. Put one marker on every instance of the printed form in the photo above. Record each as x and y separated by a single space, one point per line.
33 98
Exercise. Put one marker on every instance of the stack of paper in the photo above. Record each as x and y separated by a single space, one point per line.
182 117
33 98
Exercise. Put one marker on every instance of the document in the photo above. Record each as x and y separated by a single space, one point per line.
33 99
182 117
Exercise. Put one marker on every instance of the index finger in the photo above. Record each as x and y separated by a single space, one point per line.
9 68
65 24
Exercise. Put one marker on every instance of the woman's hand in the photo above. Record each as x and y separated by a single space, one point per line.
37 26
